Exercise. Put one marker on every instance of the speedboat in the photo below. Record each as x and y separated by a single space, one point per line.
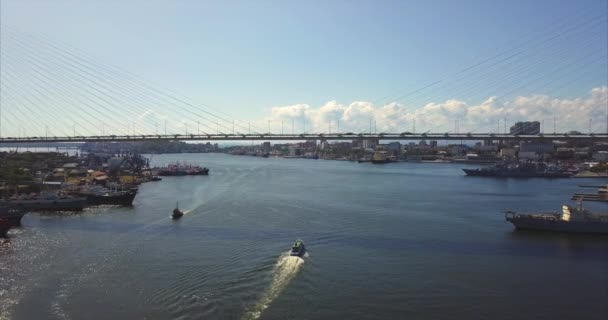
298 248
176 212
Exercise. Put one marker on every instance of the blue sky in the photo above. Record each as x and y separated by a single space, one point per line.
245 57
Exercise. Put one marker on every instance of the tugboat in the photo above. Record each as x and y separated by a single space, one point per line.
176 212
572 220
298 249
12 214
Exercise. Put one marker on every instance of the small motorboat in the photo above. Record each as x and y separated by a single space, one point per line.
176 212
298 248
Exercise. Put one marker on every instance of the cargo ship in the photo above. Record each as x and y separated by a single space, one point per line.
179 169
520 170
570 220
47 202
104 196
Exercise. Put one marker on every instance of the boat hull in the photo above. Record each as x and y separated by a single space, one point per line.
298 249
5 226
76 204
491 173
297 253
169 173
558 225
15 218
381 161
123 199
176 214
12 214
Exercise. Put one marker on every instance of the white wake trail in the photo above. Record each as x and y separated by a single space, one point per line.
284 271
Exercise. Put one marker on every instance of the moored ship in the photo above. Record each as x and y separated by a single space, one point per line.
520 170
47 202
179 169
5 226
104 196
571 220
601 195
382 157
12 214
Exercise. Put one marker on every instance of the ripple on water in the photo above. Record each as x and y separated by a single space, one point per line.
208 281
23 263
223 259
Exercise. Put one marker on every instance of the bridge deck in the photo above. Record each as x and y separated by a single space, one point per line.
311 136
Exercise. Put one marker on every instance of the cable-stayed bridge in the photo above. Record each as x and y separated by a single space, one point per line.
313 136
53 92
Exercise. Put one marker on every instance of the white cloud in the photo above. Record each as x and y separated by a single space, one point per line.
570 114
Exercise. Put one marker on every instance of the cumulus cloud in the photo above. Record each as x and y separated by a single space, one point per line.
570 114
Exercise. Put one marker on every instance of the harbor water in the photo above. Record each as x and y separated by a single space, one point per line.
393 241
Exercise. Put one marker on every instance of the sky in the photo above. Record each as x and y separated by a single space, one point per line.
448 65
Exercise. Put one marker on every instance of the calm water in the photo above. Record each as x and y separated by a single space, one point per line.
397 241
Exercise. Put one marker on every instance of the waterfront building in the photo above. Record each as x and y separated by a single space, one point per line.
294 150
486 148
507 152
600 156
324 145
357 144
458 150
394 148
309 144
526 127
369 143
535 150
564 153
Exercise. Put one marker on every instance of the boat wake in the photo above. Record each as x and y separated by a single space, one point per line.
286 268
